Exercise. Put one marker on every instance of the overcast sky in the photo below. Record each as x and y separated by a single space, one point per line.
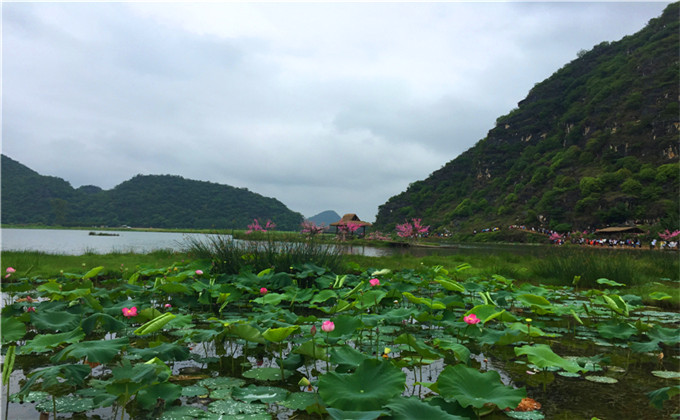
324 106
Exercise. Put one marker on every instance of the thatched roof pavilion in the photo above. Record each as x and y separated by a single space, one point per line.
351 218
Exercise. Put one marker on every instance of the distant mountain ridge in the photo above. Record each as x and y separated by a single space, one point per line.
162 201
325 218
595 144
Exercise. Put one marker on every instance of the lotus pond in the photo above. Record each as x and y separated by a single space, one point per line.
183 342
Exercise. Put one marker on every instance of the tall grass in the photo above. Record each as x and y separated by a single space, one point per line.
625 266
232 256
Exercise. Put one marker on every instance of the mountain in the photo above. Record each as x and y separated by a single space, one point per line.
325 217
595 144
162 201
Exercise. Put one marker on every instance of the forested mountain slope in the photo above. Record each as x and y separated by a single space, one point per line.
595 144
161 201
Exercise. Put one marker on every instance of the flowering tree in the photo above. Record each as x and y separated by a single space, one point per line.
255 227
310 228
412 230
667 235
348 228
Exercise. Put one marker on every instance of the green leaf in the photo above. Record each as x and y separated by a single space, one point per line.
418 346
92 272
542 356
346 356
666 374
266 394
246 332
100 351
309 349
538 304
167 392
55 320
369 388
74 374
46 342
609 282
451 285
263 374
414 408
470 387
12 329
8 364
277 335
155 324
299 400
323 296
107 322
657 397
165 352
659 296
337 414
67 404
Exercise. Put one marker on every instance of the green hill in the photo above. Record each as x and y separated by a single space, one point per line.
160 201
594 144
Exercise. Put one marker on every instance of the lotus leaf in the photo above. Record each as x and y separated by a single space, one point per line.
75 374
451 285
267 394
659 296
525 415
309 349
271 299
461 352
194 391
246 332
346 357
666 374
369 388
608 282
542 356
470 387
46 342
148 397
414 408
620 330
323 296
57 320
337 414
107 322
184 412
100 351
538 304
668 336
164 351
221 382
418 346
277 335
601 379
300 400
658 396
345 325
263 374
67 404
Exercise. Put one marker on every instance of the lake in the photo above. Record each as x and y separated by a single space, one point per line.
79 242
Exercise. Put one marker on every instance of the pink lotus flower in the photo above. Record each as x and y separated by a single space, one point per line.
167 305
327 326
30 309
374 282
313 330
199 272
10 270
471 319
130 312
264 291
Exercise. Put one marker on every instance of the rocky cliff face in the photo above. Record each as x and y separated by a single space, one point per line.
594 144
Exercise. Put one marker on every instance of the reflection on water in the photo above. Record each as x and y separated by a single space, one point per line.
78 242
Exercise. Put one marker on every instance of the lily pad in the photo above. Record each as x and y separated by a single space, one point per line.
372 385
184 412
265 394
525 415
299 400
473 388
194 391
67 404
666 374
602 379
542 356
263 374
221 382
569 374
231 407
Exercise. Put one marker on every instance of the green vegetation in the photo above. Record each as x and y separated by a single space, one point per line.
159 201
187 340
593 145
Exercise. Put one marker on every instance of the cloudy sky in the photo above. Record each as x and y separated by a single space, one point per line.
322 105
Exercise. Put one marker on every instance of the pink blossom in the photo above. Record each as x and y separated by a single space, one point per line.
412 230
667 235
374 282
313 330
471 319
312 228
11 270
130 312
30 309
264 291
327 326
199 272
167 305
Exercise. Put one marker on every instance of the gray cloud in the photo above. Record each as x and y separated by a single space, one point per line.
323 106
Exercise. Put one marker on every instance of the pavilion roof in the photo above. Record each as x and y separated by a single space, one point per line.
351 218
